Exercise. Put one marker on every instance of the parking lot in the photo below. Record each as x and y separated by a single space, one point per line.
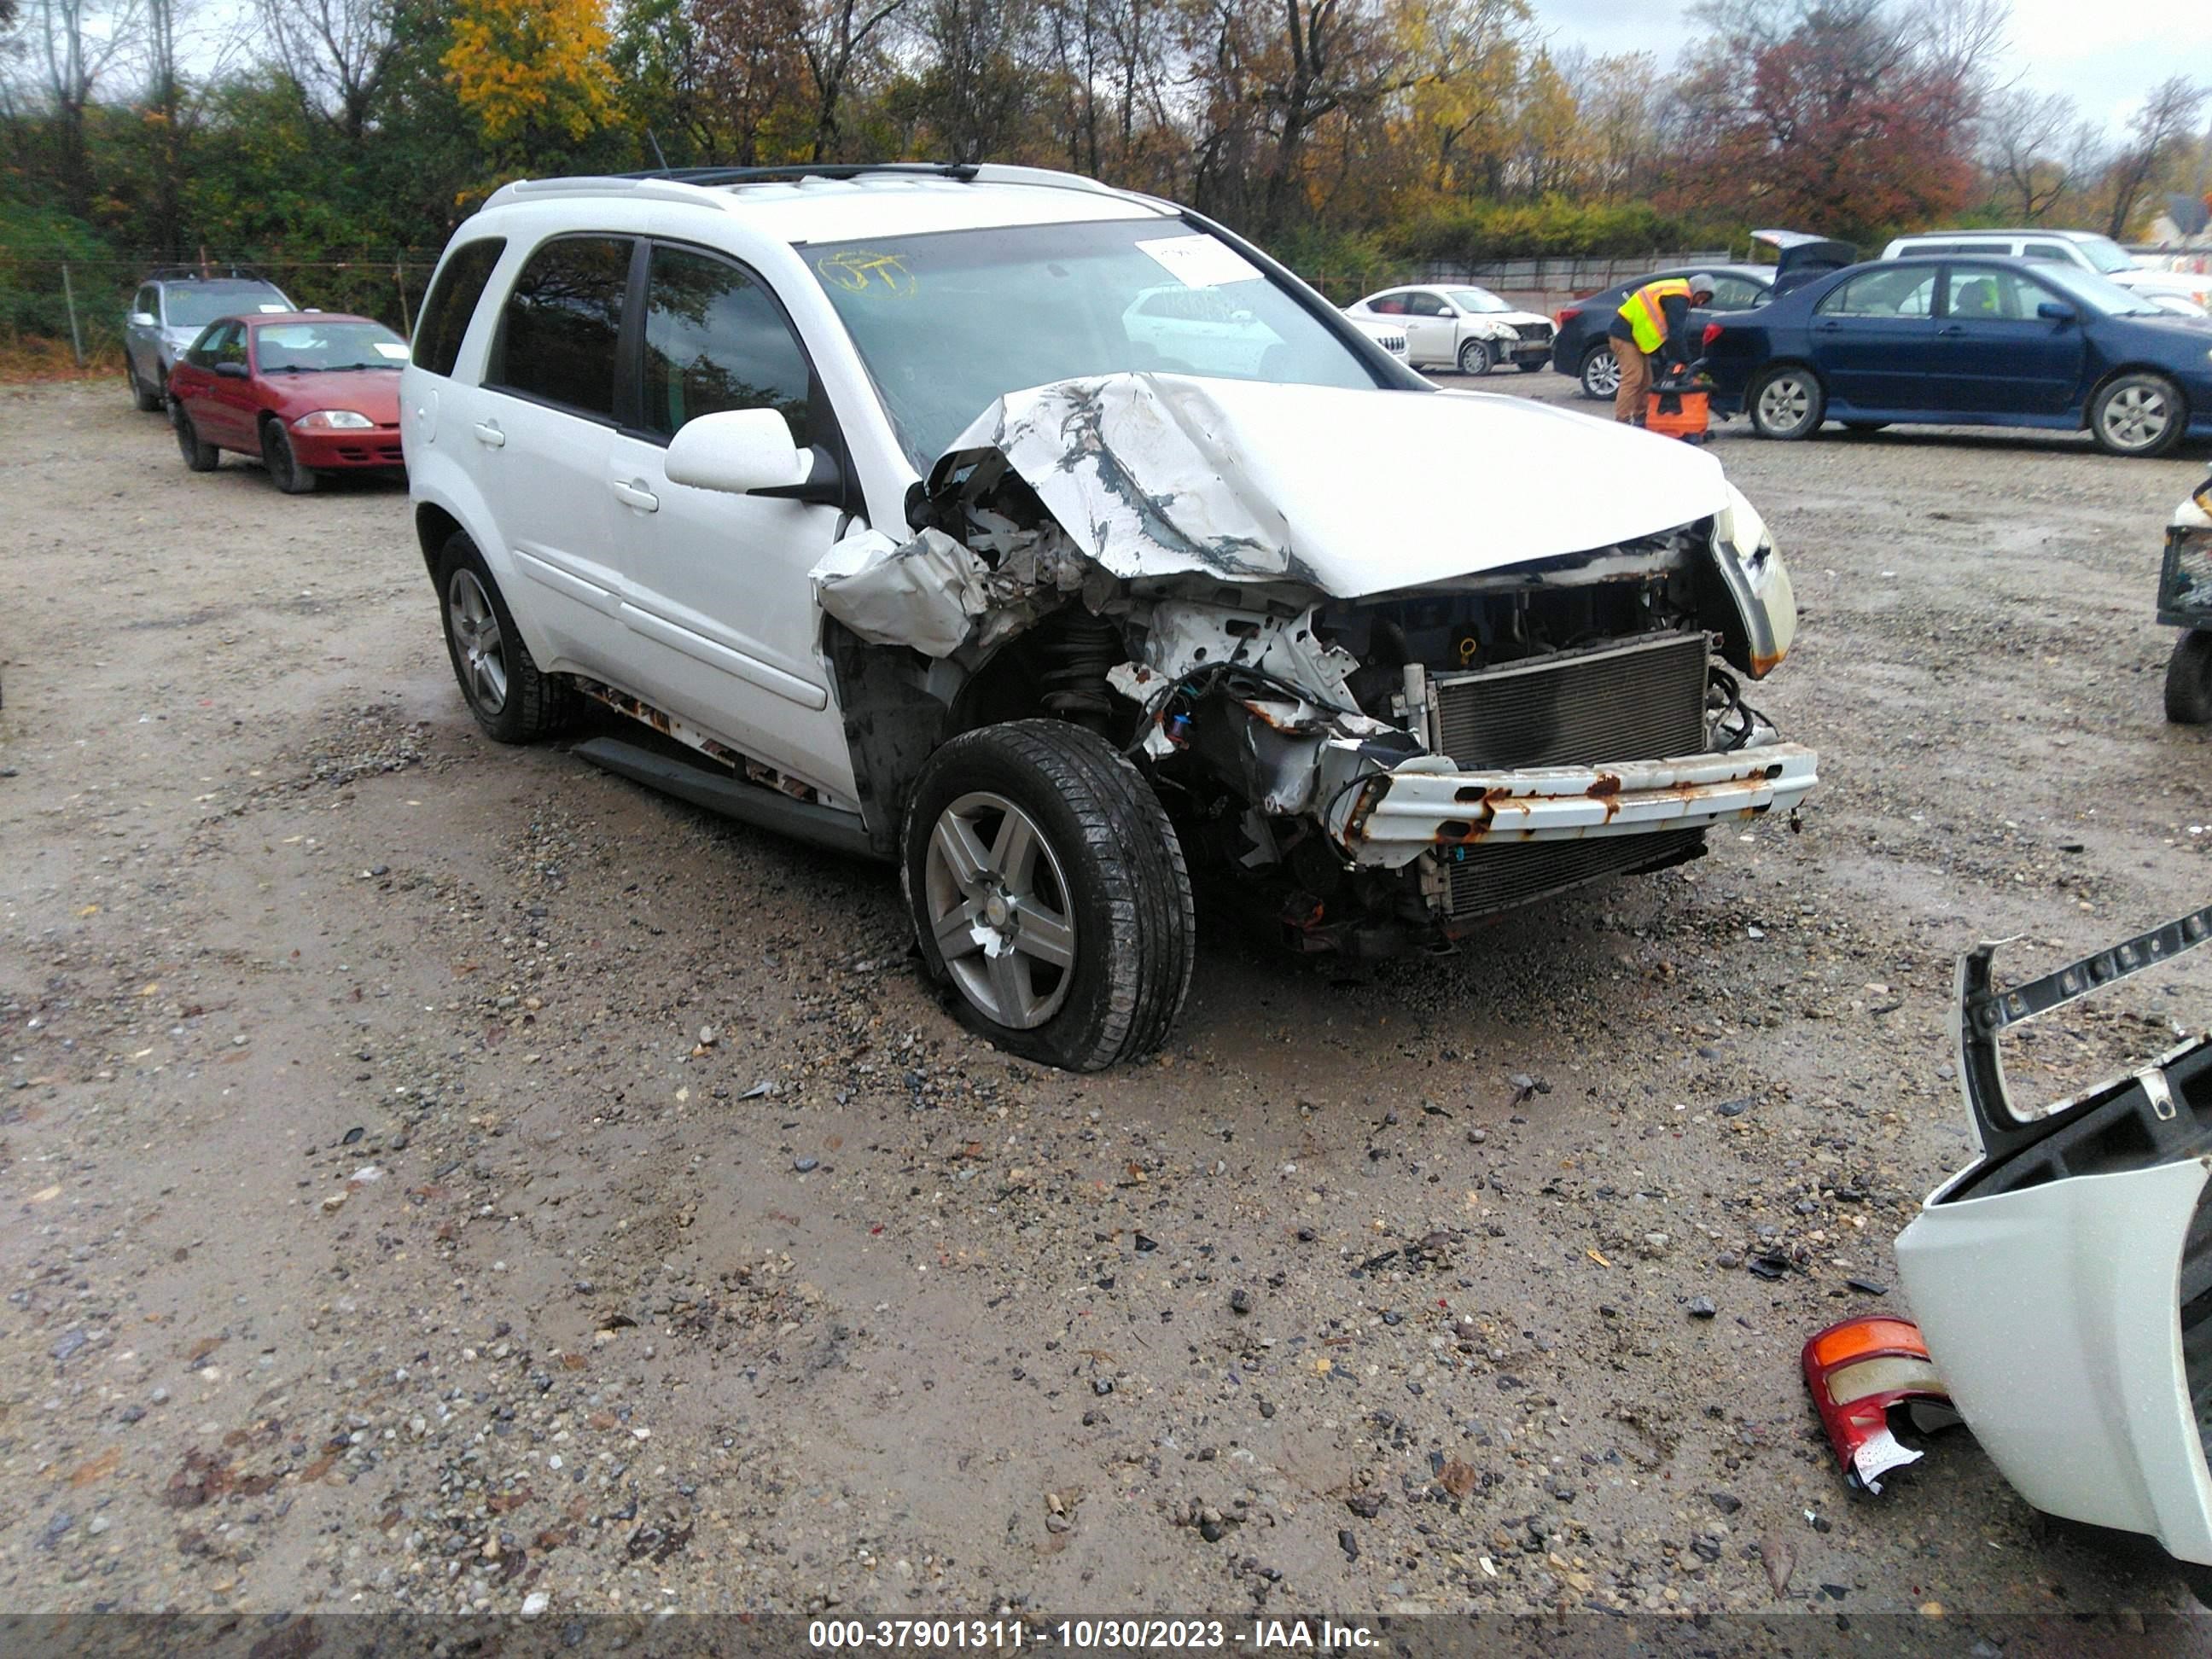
443 1175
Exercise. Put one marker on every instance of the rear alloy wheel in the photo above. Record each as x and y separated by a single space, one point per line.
2189 680
1049 894
510 698
1474 357
1786 402
283 461
200 457
2139 414
1600 376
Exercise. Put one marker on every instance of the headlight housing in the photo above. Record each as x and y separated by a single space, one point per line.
335 420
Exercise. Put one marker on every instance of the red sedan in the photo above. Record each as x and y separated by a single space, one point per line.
307 392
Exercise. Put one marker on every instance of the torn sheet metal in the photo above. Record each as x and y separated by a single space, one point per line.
937 596
1858 1372
1164 475
2063 1280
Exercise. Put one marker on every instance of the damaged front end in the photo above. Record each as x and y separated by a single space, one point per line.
2063 1280
1379 716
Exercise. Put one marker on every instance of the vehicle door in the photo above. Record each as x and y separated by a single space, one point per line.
1432 328
1874 338
188 381
544 427
1995 354
724 628
223 408
141 335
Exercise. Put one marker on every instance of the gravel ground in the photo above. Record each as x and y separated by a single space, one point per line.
448 1178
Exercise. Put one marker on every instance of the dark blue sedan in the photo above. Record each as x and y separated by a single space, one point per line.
1966 342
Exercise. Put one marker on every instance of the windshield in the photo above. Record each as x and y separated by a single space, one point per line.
309 348
201 303
2105 253
948 322
1478 299
2107 298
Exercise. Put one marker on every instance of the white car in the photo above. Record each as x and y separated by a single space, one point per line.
2180 292
884 499
1389 334
1452 325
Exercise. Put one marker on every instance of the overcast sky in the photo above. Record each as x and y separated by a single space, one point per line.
2105 56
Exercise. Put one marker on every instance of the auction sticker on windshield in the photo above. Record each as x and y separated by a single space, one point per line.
1200 261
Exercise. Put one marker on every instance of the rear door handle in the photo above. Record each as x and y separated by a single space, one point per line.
490 435
636 496
1951 332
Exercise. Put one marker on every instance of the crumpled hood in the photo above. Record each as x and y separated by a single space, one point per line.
1353 493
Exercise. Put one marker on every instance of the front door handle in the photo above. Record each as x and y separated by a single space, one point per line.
490 435
636 496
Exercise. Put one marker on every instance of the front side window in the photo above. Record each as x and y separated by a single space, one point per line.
946 322
563 322
205 349
1987 294
148 302
1908 292
445 319
716 339
2052 251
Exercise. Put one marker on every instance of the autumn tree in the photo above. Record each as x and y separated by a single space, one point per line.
532 73
2163 127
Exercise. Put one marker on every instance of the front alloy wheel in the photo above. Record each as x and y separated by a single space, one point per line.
1600 376
1474 357
1048 893
2139 414
999 908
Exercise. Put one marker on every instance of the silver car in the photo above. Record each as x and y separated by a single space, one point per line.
167 315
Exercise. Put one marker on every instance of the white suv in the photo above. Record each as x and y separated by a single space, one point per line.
884 498
2085 250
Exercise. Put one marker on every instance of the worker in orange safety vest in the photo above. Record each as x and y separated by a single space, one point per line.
1653 324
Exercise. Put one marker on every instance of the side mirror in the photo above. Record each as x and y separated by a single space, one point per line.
748 452
233 371
142 319
2055 311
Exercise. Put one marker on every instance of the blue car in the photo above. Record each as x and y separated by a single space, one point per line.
1966 342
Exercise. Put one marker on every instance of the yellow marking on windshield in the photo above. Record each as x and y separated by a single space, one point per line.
859 271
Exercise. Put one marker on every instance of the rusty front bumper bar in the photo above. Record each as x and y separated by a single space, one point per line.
1394 815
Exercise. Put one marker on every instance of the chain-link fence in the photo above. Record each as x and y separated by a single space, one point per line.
79 304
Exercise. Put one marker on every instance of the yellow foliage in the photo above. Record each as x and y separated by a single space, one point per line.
516 64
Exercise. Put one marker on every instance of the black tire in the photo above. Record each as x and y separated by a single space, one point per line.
1600 372
200 457
283 461
1787 402
1113 862
142 399
2140 414
2189 679
1528 368
518 704
1474 357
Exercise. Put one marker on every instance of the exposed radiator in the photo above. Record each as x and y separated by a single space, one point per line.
1644 700
1497 877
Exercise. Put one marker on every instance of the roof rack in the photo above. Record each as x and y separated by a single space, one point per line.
213 273
709 177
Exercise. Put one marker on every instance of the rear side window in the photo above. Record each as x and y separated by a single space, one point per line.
452 301
715 339
563 322
1907 292
2065 256
1736 293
